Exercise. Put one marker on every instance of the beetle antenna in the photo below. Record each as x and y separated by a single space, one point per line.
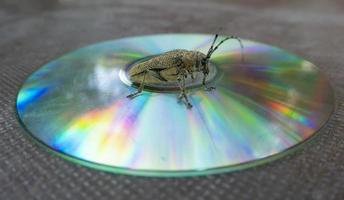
212 45
212 50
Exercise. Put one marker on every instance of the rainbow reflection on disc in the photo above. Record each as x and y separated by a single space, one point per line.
262 106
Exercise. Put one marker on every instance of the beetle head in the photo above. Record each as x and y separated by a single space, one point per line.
204 63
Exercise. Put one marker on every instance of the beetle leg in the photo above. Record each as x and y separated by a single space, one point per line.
182 75
181 81
204 85
139 90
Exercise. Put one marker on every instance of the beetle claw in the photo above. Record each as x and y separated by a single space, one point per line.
133 95
209 88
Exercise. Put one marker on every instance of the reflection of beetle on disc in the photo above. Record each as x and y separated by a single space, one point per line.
76 105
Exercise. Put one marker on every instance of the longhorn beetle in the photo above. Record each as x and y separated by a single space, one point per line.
175 65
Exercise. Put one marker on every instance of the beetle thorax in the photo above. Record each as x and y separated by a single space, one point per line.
192 60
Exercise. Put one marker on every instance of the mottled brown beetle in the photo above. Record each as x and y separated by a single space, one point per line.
174 65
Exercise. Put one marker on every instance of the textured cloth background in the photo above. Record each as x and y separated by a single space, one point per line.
33 32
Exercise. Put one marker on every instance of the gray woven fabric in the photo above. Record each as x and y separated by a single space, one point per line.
32 32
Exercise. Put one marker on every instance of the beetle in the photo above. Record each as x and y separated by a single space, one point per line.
175 65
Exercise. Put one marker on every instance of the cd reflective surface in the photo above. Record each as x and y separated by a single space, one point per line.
263 105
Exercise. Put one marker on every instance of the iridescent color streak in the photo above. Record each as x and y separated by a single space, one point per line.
264 105
290 113
28 95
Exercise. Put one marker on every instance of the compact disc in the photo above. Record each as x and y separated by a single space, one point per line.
266 101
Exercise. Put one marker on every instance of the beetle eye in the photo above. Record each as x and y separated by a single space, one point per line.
203 61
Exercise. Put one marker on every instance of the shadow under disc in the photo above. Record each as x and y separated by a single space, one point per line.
263 106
